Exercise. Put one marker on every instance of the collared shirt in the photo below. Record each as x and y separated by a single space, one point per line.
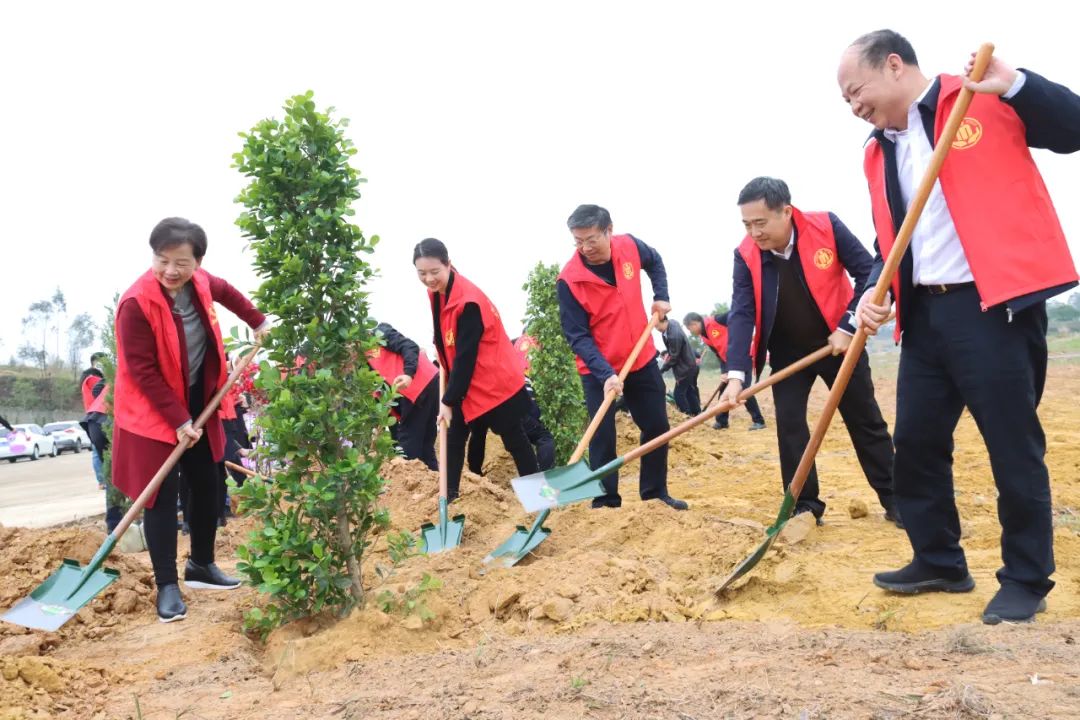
936 252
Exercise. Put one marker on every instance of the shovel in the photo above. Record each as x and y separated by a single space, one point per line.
522 542
55 601
562 486
447 534
858 342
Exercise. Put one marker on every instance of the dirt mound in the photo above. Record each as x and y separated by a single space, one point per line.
645 562
33 688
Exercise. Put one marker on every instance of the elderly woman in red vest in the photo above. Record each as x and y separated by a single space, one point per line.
486 377
170 362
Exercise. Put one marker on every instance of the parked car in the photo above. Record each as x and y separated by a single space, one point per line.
68 435
27 440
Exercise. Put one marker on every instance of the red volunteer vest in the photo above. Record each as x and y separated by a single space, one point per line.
87 389
133 411
227 409
99 405
825 276
715 336
616 314
998 201
390 365
499 373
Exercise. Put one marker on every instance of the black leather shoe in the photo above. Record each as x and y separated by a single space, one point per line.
1013 603
606 502
673 503
170 606
758 425
719 425
207 577
915 578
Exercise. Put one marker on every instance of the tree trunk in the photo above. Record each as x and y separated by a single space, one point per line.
344 533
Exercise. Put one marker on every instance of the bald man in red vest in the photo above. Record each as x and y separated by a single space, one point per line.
603 315
791 297
986 254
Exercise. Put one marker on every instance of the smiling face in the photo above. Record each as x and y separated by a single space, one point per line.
173 266
433 273
593 243
880 96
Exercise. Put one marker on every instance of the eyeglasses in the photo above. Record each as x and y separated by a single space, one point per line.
592 241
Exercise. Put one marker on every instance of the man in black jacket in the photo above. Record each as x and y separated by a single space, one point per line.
683 364
971 301
713 333
794 266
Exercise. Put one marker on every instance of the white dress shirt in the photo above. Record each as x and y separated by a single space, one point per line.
936 252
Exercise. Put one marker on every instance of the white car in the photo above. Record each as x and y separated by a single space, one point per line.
68 435
27 440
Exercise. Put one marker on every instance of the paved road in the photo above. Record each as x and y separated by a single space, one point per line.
48 491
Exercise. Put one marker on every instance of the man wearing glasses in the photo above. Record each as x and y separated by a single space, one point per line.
603 315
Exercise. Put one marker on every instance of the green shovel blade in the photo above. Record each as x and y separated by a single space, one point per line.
770 537
562 485
444 536
56 600
521 543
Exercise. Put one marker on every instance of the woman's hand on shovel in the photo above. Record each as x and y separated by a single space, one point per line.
188 435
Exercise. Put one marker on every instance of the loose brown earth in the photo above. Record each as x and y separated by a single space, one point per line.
614 617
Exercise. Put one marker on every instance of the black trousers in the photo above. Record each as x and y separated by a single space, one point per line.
417 430
858 407
645 397
954 356
687 395
505 421
751 406
202 509
539 437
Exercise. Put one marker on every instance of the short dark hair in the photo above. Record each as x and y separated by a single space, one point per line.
91 372
773 191
175 231
692 317
875 47
587 216
97 356
432 248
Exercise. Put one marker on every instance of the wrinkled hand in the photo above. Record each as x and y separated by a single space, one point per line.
731 393
997 79
446 414
869 316
613 385
188 435
661 306
402 381
839 342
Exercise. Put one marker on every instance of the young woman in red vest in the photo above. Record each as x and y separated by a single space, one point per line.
971 301
170 362
602 316
791 297
416 380
712 329
485 385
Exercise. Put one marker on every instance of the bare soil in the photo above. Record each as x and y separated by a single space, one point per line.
613 617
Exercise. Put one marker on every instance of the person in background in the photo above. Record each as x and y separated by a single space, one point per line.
683 364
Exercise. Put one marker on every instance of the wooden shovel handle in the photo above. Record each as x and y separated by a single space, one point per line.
892 264
181 448
240 469
598 417
442 428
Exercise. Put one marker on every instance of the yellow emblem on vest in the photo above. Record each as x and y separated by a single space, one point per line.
449 338
374 353
211 312
823 258
968 134
628 271
715 332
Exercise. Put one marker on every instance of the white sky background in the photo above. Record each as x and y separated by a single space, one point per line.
481 123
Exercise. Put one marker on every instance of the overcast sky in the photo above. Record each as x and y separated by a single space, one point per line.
481 123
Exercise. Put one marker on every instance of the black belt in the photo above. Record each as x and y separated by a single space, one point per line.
942 288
